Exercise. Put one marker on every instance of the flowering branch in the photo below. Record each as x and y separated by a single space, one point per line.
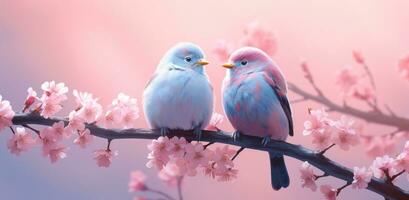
374 116
318 160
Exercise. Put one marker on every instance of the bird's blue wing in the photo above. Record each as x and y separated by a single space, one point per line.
285 104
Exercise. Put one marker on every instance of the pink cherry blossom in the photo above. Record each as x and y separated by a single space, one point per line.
48 138
104 157
6 114
362 177
76 122
159 155
180 167
406 148
176 147
402 161
222 156
345 134
90 112
215 121
307 176
137 181
129 118
382 165
167 177
318 122
140 198
403 67
197 155
222 50
88 107
358 57
52 98
21 141
50 88
60 131
322 140
211 170
50 105
227 175
82 98
55 152
84 138
257 36
377 146
346 79
328 192
30 99
122 113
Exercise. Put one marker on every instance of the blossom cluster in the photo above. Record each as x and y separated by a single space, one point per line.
384 167
255 35
122 113
6 114
355 81
175 157
403 67
325 131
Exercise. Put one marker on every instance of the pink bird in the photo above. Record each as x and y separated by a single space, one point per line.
255 102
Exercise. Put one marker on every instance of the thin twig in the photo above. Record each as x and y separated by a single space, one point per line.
389 109
109 145
237 153
343 187
12 130
208 144
397 175
321 162
322 152
321 176
33 129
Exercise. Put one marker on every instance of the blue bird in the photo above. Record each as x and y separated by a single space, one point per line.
179 95
255 102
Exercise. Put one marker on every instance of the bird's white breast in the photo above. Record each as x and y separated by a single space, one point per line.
178 99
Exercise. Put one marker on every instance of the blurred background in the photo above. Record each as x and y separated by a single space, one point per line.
107 47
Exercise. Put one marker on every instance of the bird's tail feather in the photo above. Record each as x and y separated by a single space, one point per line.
279 174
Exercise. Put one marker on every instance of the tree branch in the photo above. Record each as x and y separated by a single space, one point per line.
296 151
374 116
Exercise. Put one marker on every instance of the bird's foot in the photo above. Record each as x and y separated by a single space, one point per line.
236 135
198 133
266 140
164 132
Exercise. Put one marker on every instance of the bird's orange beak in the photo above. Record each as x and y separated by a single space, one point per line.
228 65
202 62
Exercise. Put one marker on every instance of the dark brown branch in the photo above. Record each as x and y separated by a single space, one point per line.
374 116
321 162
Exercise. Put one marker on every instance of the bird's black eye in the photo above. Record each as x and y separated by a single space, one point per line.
243 62
188 59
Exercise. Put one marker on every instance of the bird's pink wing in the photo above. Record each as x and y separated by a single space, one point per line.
282 97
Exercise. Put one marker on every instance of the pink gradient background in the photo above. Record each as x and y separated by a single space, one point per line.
107 47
